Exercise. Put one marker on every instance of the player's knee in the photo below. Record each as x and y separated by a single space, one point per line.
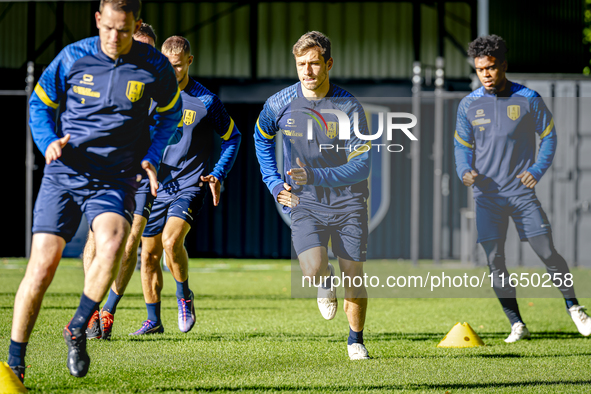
547 254
172 245
40 275
496 261
313 271
109 249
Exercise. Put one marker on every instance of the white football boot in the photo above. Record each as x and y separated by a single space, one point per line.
357 352
581 319
327 299
518 332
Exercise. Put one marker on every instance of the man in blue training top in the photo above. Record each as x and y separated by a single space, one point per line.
183 187
326 188
102 87
495 154
100 324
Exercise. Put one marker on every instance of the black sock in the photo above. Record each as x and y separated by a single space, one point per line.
112 302
16 353
355 337
83 313
511 310
570 302
495 256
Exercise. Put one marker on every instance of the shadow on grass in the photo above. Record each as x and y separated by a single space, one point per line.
338 338
197 296
235 337
143 308
365 388
425 336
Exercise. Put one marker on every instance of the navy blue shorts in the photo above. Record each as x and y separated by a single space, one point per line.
347 232
63 198
492 217
184 205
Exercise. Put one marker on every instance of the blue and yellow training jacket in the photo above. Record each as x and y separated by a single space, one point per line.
103 104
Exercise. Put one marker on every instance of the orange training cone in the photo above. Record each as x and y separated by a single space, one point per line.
461 335
9 383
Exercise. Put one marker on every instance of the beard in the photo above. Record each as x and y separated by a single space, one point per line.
492 90
317 83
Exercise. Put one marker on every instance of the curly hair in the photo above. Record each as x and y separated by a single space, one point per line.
492 45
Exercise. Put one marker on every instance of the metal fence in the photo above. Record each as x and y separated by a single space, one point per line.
247 224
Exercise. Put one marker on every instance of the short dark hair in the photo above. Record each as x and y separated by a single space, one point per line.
134 6
176 45
313 39
492 45
146 30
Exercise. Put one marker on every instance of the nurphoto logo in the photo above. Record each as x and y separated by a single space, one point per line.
343 129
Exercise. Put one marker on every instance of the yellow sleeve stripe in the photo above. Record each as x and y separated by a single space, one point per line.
226 136
461 141
359 150
267 136
180 124
548 129
43 96
172 102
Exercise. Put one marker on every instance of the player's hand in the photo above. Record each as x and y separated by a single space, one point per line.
54 150
215 186
285 197
152 175
469 178
527 179
298 175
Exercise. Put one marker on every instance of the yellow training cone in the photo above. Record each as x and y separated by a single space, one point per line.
9 383
461 335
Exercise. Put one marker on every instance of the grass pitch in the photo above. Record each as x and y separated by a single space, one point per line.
251 336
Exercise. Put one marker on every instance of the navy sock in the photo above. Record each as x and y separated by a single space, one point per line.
16 353
570 302
355 337
112 301
153 312
511 310
182 290
83 313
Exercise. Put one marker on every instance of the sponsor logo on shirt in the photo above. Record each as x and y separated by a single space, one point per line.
85 91
292 133
479 113
480 121
87 79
